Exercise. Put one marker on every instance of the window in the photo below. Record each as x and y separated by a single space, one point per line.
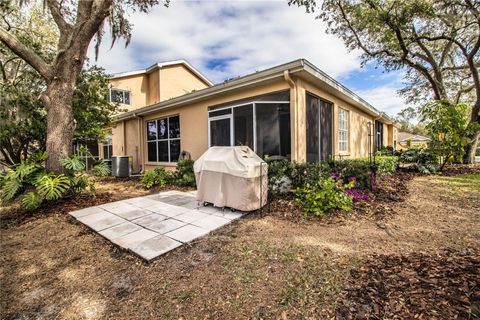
163 139
319 129
86 150
378 135
342 130
120 96
107 148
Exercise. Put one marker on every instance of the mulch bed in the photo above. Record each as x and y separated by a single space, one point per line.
416 286
393 189
457 169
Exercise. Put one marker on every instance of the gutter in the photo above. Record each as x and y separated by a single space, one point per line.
293 110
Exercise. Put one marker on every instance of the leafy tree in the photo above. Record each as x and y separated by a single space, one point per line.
23 117
78 22
406 118
437 42
449 129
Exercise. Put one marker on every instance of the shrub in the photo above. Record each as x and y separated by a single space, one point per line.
157 177
424 160
184 176
101 169
324 195
31 179
284 175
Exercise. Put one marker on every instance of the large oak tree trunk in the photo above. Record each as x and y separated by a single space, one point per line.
472 148
60 123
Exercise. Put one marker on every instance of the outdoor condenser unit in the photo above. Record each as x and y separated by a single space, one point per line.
121 166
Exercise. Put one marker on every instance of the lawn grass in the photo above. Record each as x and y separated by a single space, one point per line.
462 183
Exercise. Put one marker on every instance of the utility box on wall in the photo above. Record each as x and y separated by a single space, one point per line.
122 166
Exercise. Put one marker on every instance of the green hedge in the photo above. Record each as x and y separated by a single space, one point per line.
385 164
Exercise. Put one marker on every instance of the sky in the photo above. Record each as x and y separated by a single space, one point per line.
230 38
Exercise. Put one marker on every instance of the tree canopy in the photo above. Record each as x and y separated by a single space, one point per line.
22 115
77 23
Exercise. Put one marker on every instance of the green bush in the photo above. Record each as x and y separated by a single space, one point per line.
184 176
31 179
286 174
101 169
324 195
424 159
157 177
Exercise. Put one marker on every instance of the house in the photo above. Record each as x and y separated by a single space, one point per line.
292 111
407 140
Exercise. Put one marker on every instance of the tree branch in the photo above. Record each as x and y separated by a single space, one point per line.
54 8
27 54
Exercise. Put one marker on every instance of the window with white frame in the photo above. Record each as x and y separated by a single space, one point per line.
120 96
342 130
163 139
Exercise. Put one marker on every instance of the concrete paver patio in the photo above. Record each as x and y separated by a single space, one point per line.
152 225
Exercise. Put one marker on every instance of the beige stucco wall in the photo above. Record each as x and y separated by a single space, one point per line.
138 87
153 94
158 85
177 80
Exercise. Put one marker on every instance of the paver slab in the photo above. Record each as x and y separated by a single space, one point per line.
130 214
166 209
120 230
186 233
131 240
86 211
211 222
156 246
101 220
191 215
163 226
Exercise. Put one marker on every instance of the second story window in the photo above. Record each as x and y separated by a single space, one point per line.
120 96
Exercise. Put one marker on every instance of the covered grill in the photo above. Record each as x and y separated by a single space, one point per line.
233 177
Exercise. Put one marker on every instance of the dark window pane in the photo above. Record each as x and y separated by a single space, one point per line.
313 129
174 127
326 129
162 129
243 124
110 151
152 151
220 132
273 129
378 135
116 96
174 150
126 97
163 151
105 152
219 112
151 130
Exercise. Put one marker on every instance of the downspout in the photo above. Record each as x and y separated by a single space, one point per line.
293 109
140 150
124 142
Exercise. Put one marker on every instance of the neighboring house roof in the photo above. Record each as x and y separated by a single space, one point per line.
405 136
161 65
300 67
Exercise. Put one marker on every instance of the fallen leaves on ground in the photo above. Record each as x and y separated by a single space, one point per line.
445 285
